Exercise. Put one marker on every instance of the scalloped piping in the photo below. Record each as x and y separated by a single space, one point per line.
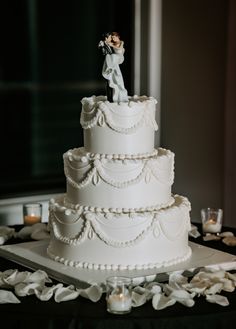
98 172
185 205
119 267
92 227
70 241
103 116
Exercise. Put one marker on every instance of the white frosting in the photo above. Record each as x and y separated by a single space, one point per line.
119 183
79 207
119 128
118 212
120 241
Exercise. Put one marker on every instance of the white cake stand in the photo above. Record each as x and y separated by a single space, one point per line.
33 255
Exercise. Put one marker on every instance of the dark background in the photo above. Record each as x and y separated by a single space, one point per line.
49 62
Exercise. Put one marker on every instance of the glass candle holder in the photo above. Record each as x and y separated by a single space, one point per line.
32 213
211 220
118 297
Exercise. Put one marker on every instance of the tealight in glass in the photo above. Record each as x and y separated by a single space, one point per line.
211 220
119 300
32 213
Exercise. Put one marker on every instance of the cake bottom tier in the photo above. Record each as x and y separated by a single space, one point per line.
119 241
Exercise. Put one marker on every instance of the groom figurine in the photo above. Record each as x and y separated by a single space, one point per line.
107 49
104 44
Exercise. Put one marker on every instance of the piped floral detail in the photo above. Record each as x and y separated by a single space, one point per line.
148 176
101 119
95 178
90 233
156 230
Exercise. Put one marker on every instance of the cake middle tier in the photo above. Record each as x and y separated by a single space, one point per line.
119 182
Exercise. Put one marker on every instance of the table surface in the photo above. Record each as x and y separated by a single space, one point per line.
82 313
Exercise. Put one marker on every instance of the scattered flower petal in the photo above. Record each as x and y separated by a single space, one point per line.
213 289
160 301
210 237
218 299
6 233
8 297
194 232
63 294
226 234
230 241
94 293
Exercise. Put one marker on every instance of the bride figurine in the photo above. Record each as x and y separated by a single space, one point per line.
113 49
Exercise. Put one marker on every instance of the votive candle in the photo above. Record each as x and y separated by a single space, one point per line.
32 213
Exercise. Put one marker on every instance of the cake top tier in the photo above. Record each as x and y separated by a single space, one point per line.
123 128
124 117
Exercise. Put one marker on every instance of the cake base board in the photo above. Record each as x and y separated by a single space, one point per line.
33 255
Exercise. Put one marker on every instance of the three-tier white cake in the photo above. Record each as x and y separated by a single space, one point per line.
118 212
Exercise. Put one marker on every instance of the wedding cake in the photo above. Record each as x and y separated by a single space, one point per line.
118 212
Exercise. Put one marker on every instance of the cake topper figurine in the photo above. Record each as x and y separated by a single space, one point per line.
113 50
